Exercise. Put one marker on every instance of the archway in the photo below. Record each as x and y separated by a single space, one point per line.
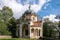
32 30
25 30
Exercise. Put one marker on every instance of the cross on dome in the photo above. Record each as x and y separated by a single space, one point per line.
29 7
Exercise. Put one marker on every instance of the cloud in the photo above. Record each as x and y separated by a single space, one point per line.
51 18
18 8
0 7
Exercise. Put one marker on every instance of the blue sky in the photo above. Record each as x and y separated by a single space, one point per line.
30 2
43 8
52 8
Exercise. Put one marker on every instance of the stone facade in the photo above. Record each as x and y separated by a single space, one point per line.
29 26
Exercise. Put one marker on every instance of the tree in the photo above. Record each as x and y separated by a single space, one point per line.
5 16
58 17
48 27
45 29
12 26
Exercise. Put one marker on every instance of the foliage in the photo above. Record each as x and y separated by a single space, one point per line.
5 15
58 17
3 29
59 25
48 29
59 28
12 26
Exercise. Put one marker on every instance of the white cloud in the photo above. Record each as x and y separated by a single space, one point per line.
51 18
18 8
0 7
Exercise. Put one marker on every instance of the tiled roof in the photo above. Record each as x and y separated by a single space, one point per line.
37 24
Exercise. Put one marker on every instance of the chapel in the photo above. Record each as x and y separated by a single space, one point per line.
29 26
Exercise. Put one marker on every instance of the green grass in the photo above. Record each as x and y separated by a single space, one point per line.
18 39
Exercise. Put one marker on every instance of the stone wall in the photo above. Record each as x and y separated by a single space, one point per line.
5 37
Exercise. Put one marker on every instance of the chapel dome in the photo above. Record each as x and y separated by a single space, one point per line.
29 11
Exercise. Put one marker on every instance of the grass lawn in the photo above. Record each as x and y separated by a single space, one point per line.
18 39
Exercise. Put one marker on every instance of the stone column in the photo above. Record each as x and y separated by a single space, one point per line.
20 32
34 33
28 29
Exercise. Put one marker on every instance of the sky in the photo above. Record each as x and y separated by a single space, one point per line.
43 8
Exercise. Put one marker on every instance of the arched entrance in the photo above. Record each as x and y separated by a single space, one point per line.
25 30
32 32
